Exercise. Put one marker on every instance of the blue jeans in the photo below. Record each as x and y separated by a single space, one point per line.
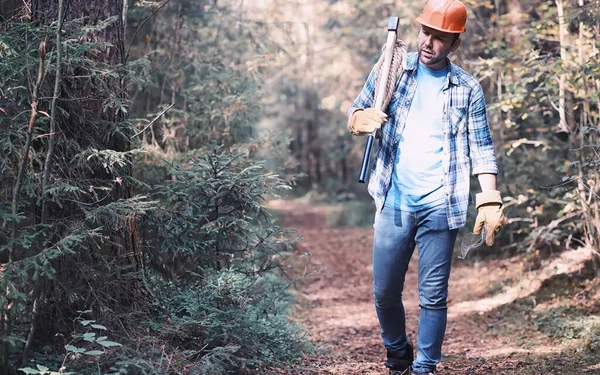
396 234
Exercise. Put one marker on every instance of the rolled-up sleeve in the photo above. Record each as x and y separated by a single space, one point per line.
481 145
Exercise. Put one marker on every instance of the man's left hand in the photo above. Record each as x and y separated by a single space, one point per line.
490 215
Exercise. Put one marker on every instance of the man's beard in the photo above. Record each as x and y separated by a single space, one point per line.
430 57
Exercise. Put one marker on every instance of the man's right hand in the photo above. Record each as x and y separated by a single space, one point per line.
366 121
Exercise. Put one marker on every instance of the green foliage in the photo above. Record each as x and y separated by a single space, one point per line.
225 289
233 321
182 262
200 66
88 343
211 215
55 263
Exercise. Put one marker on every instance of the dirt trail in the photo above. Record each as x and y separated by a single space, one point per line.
336 307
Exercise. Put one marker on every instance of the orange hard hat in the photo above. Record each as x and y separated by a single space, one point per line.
444 15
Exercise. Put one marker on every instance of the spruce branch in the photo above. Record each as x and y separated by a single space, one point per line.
34 112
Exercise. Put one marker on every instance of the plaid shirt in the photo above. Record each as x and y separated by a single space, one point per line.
467 139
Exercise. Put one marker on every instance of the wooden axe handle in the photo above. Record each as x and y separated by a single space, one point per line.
380 94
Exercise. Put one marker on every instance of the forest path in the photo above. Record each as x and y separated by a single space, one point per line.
492 308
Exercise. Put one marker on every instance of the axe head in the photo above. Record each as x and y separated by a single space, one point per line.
393 24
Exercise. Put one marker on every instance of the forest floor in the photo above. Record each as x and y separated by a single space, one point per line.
514 315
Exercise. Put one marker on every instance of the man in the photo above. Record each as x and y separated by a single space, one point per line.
434 132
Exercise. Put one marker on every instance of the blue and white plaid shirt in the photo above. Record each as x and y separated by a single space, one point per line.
467 139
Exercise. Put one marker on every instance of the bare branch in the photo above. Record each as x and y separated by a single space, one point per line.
153 121
57 81
142 25
25 157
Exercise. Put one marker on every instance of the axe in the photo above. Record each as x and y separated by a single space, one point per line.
381 91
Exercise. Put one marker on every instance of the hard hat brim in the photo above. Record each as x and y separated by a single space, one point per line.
420 20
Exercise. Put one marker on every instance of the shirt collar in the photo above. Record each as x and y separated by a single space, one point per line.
412 62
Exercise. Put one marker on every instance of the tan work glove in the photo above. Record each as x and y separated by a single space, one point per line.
366 121
489 204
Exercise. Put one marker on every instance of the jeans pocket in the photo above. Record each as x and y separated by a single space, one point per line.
438 218
387 218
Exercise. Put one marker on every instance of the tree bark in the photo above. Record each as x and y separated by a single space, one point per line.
46 11
9 8
90 96
93 123
587 193
562 31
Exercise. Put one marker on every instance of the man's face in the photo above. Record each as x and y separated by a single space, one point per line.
434 46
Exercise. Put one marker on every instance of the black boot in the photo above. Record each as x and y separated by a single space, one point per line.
399 363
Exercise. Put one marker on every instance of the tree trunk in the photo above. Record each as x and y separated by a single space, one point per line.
46 11
562 31
9 8
91 96
587 190
95 121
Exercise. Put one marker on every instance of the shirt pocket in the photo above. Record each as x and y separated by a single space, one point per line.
457 119
394 104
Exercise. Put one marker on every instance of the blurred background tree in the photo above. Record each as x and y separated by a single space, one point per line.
538 64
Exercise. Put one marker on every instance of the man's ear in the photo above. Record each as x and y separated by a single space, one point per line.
455 45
